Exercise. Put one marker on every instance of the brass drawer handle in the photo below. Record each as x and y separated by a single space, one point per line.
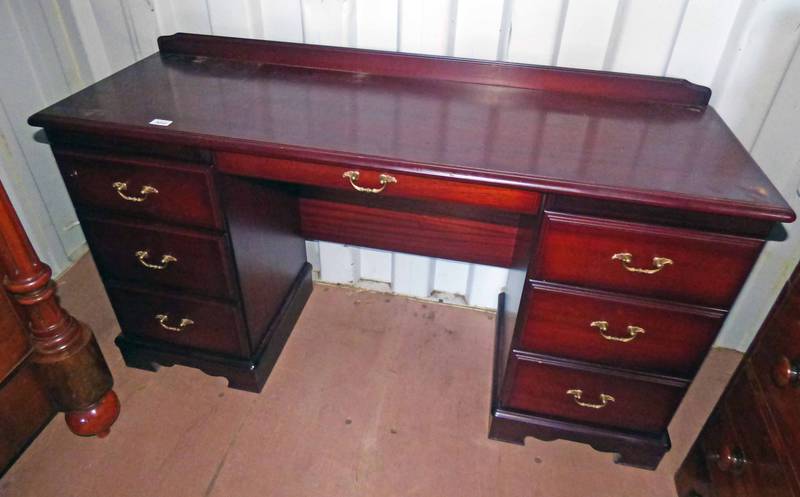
626 258
122 186
141 255
162 321
577 393
603 327
384 179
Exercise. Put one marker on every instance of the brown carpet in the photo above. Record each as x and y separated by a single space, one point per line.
374 395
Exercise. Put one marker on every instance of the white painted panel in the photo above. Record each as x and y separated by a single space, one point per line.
115 33
189 16
143 24
312 255
450 276
701 39
587 32
477 29
412 275
375 265
426 26
778 152
20 96
646 33
376 24
282 20
764 38
329 22
233 18
485 283
59 49
91 39
31 39
536 31
32 211
338 263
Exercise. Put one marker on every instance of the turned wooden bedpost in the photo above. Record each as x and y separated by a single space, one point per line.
65 353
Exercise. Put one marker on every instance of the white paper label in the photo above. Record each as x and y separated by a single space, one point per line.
160 122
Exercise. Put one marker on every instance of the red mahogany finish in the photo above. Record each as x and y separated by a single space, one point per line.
673 341
118 249
181 319
66 357
95 419
750 444
582 82
664 154
406 186
24 404
179 193
639 404
446 237
707 269
546 171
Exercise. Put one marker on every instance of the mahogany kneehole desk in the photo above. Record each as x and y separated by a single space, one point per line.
628 213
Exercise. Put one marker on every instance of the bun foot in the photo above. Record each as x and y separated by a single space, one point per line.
96 419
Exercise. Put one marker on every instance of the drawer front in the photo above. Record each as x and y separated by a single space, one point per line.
180 320
168 257
618 331
404 185
776 368
749 462
557 390
162 190
703 269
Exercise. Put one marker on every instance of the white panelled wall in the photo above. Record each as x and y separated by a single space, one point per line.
745 50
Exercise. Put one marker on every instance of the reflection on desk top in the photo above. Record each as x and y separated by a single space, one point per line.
650 152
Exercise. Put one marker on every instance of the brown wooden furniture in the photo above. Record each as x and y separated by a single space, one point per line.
24 405
48 360
622 204
750 444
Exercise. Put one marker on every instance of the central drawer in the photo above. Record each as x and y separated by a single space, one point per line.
676 264
587 395
163 256
619 331
342 177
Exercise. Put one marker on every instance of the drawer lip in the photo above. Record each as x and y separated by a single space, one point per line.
589 367
676 340
110 156
119 290
228 281
576 250
656 229
214 219
666 305
309 172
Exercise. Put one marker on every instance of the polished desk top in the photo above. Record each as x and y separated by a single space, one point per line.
651 152
489 163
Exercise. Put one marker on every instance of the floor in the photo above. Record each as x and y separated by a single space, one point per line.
374 395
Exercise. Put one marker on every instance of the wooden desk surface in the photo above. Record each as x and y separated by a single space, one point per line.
305 124
663 154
